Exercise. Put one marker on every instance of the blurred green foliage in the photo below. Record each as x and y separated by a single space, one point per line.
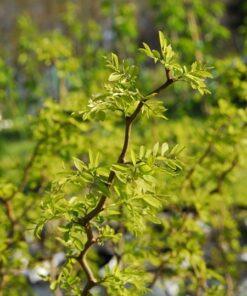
174 205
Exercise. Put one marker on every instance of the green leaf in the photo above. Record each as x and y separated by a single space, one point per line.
79 164
164 149
38 229
152 201
115 60
120 167
163 42
156 149
115 77
133 158
91 161
53 285
142 152
148 51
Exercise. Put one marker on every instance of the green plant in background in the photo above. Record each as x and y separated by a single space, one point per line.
197 25
163 215
122 26
199 33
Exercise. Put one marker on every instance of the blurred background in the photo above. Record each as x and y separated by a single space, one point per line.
82 32
52 60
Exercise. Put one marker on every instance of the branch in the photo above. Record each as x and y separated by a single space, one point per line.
26 170
157 274
198 162
29 165
223 175
9 213
8 207
128 123
10 236
91 281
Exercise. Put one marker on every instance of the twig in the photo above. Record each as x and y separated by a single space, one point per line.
91 281
223 175
29 165
198 162
157 274
8 208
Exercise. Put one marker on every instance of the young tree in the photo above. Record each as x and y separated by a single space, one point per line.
101 203
135 211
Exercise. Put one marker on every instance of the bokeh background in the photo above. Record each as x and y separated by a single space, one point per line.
52 60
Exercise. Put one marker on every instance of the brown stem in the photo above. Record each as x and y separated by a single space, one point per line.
157 274
26 170
198 162
8 207
128 122
9 213
91 281
223 175
29 165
